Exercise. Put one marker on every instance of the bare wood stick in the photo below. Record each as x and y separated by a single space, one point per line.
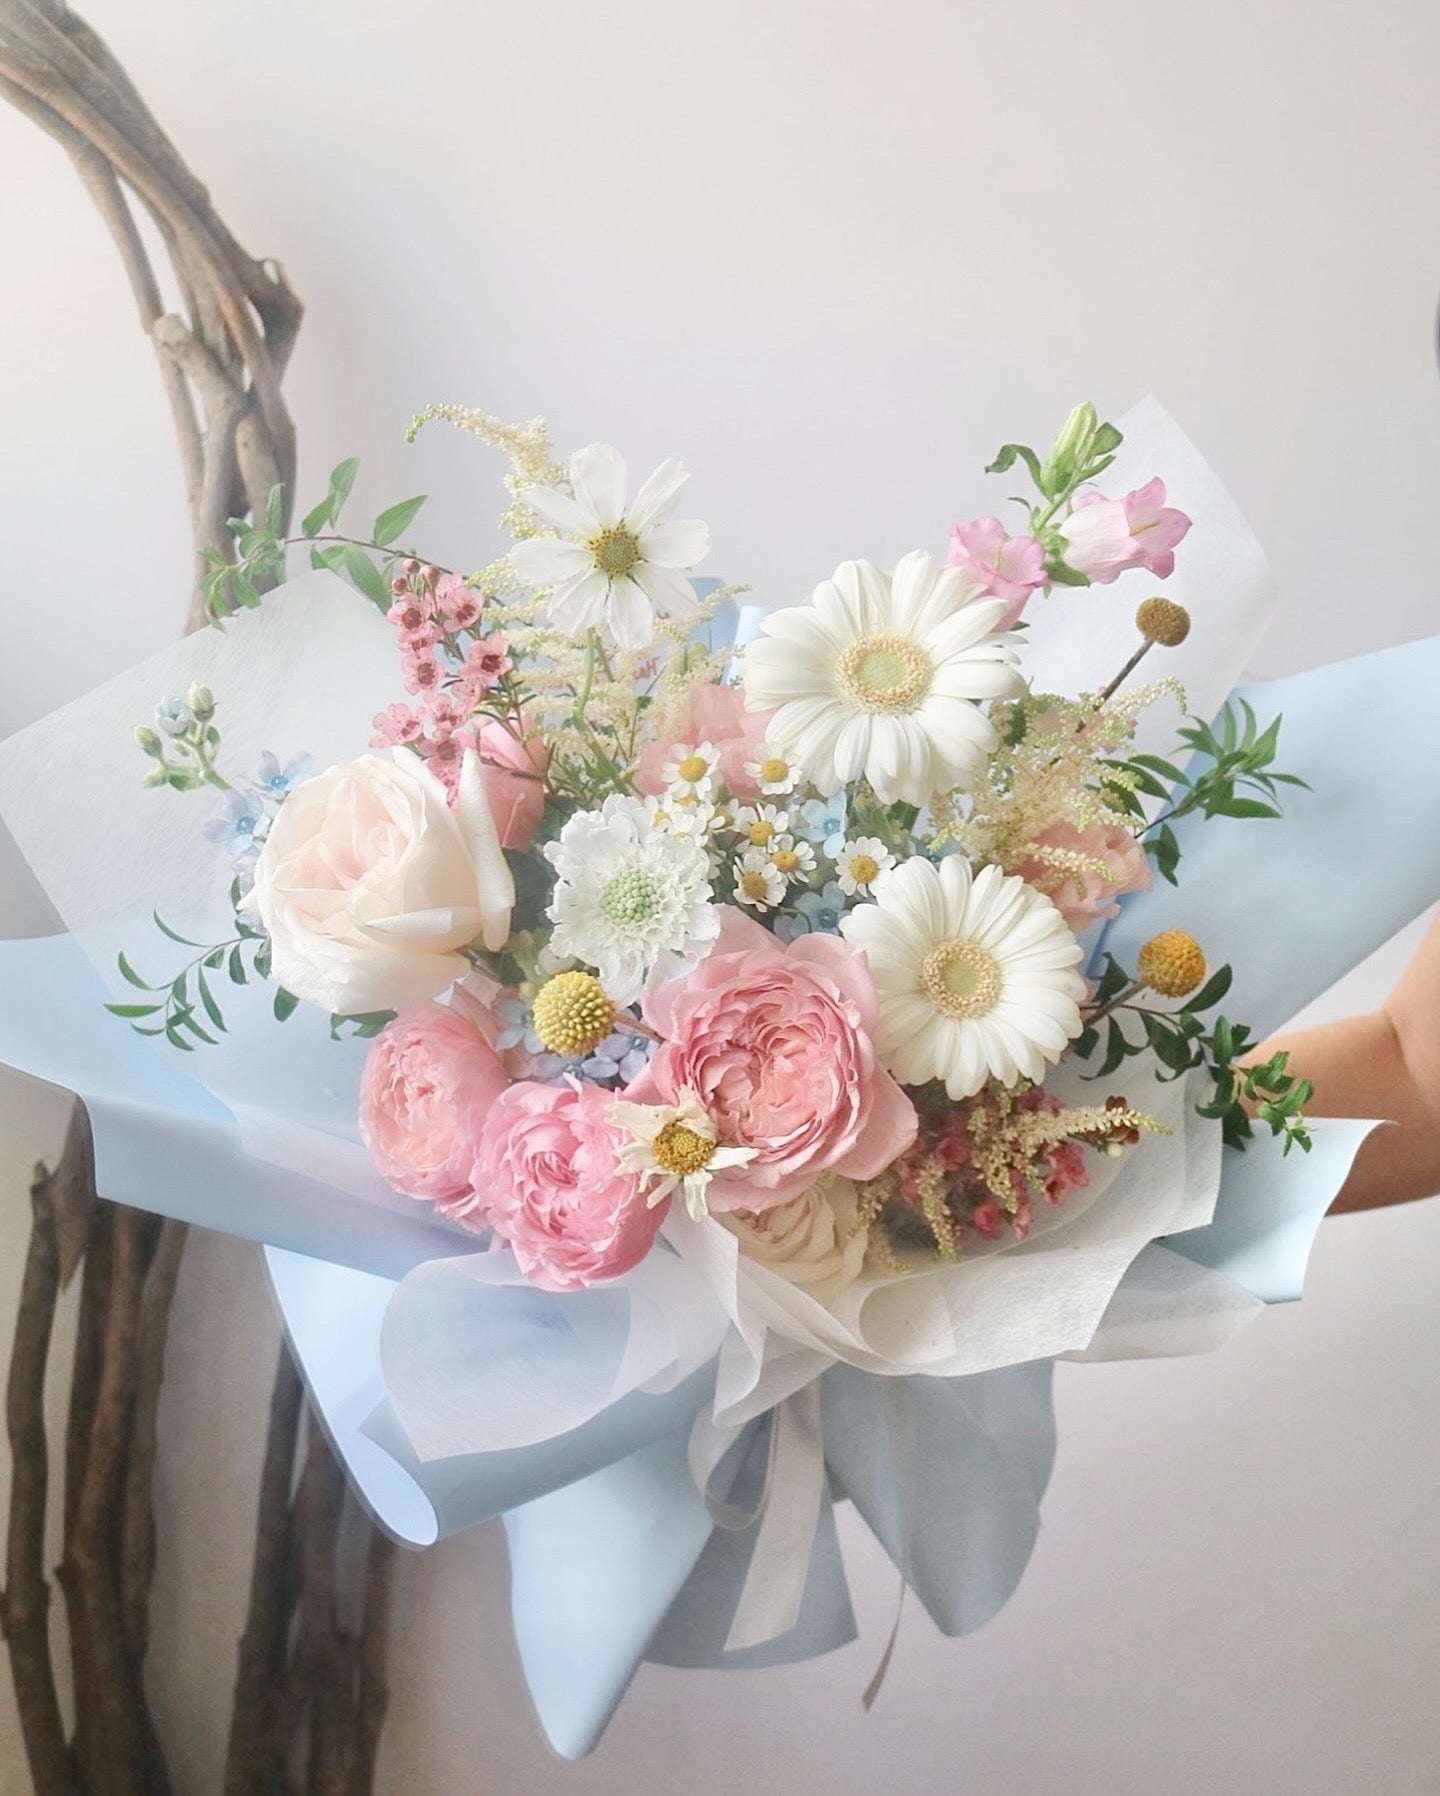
25 1600
372 1697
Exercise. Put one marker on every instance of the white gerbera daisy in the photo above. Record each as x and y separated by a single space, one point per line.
792 860
612 566
773 771
860 863
760 824
882 675
758 881
630 900
976 977
675 1147
691 770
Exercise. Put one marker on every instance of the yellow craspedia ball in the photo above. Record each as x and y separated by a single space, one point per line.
1162 620
1172 964
573 1013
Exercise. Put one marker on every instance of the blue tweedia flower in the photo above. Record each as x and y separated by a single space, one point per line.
275 781
824 822
816 913
173 716
516 1027
620 1056
242 822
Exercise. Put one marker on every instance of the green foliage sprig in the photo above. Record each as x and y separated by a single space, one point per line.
1083 450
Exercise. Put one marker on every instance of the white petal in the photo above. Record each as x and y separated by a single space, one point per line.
580 606
632 617
680 543
546 561
668 589
559 509
598 477
851 748
657 497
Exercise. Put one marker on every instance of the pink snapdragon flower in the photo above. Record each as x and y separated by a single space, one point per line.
430 1078
548 1176
1086 898
777 1043
1006 567
717 715
1104 538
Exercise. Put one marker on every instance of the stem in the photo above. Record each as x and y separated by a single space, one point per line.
1125 672
1121 997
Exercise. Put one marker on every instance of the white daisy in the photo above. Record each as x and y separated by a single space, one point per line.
630 900
792 860
758 881
860 863
976 977
612 566
675 1147
690 769
773 771
882 675
760 824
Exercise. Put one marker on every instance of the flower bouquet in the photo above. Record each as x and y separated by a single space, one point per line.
694 1064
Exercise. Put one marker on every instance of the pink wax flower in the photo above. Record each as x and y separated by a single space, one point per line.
1086 898
777 1044
429 1081
717 715
1104 538
1064 1170
395 726
1007 567
487 661
548 1178
514 783
420 672
457 603
413 616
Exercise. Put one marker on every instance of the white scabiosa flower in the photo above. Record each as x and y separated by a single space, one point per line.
882 676
675 1147
612 566
860 863
630 900
773 771
758 881
976 977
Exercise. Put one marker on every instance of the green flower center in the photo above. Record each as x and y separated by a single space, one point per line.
616 551
630 898
961 979
884 673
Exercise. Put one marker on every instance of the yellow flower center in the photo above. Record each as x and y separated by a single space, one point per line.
785 860
884 673
863 868
573 1013
753 884
616 551
961 979
693 767
774 770
681 1149
760 833
1172 963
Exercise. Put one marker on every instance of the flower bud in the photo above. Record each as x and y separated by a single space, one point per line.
1071 449
202 702
147 741
173 717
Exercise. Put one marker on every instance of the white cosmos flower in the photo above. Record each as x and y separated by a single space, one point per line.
630 900
976 977
675 1147
611 565
882 675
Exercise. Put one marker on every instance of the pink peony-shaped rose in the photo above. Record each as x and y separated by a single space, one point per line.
1104 538
548 1179
514 783
1007 567
1084 898
717 715
777 1043
430 1078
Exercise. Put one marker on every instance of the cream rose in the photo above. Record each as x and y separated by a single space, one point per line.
812 1240
369 883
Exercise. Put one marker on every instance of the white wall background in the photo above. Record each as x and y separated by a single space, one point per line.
832 256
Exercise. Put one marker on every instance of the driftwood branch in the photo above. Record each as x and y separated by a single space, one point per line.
310 1691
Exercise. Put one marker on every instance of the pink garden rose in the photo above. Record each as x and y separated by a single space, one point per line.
717 715
1104 538
548 1179
514 783
776 1043
430 1078
1084 898
1006 567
